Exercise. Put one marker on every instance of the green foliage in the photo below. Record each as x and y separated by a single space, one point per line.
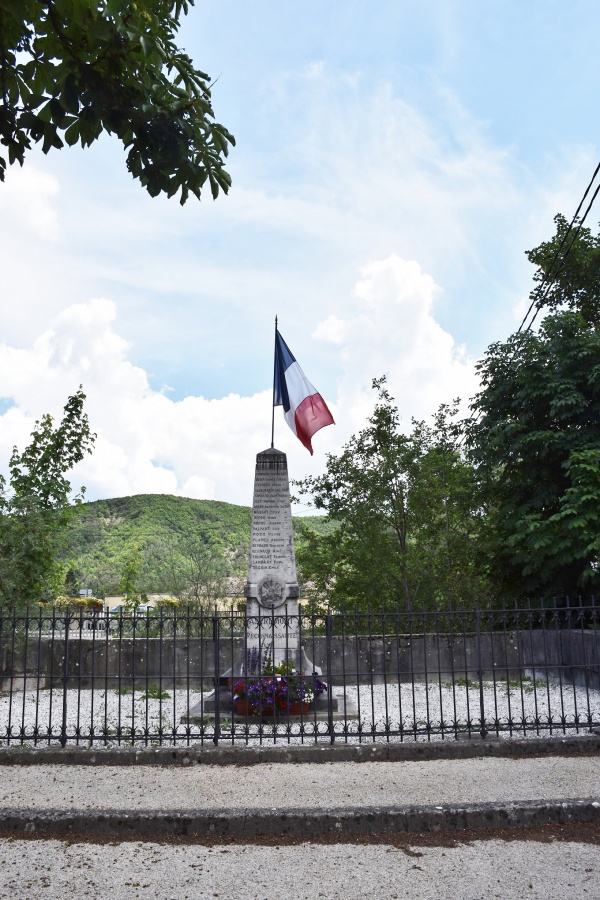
526 684
188 548
407 511
283 668
574 284
154 692
35 509
537 436
205 571
129 578
72 69
190 567
107 534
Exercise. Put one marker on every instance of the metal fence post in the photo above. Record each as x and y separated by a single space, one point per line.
217 681
328 653
483 730
65 682
562 648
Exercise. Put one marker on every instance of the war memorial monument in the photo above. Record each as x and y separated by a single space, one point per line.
272 633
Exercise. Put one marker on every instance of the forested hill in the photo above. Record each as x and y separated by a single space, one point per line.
150 533
144 517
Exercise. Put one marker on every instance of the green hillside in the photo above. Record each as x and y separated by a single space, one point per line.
163 540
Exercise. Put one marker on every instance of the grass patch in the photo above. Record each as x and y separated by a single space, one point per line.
153 692
463 683
527 684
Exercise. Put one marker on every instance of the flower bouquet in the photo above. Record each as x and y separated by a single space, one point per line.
241 703
279 691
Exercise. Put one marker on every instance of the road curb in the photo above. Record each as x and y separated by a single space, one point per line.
252 823
309 753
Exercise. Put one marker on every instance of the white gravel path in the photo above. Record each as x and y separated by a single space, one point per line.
382 712
323 786
484 869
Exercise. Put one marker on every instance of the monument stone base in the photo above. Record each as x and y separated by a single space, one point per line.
272 631
341 708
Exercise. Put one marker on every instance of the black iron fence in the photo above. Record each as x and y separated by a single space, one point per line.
193 677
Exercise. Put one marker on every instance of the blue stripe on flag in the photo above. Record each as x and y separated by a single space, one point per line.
283 360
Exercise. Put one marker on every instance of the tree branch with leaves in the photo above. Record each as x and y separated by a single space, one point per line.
535 435
73 69
407 511
36 507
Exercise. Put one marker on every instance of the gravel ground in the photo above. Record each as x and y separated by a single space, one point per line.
478 871
326 786
382 710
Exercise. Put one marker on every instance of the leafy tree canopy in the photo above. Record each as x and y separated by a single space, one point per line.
35 508
71 69
407 511
573 284
537 433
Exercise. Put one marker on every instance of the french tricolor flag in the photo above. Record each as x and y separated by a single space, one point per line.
304 409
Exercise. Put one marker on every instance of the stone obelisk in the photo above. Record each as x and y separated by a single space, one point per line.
272 622
272 587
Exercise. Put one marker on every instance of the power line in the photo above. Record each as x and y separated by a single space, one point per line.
539 301
566 252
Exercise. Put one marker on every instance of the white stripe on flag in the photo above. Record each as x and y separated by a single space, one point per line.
299 388
290 418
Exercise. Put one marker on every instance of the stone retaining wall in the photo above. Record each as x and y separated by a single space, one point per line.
570 655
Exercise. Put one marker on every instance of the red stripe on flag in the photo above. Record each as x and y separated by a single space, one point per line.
311 415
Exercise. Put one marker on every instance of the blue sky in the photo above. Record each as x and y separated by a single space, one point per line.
394 161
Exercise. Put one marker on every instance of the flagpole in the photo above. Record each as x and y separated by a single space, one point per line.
274 371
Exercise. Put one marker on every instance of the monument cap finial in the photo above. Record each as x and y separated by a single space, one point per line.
271 459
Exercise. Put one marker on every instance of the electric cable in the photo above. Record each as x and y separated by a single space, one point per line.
546 277
539 301
566 253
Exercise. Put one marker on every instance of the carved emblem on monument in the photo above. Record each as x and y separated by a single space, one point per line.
271 592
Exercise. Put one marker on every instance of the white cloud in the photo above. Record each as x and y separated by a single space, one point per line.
205 448
28 202
348 155
393 332
146 442
314 69
353 170
31 236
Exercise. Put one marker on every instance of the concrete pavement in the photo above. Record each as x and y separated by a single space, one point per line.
300 799
338 830
482 870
